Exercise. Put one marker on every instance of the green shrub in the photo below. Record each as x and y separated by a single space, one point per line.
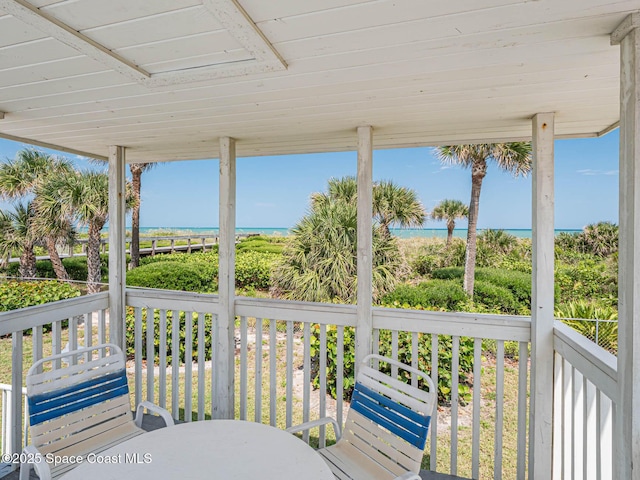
172 276
495 296
449 273
253 269
76 268
518 283
261 244
439 255
586 278
14 294
439 294
130 335
445 344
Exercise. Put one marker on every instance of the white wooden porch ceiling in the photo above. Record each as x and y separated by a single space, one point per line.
166 78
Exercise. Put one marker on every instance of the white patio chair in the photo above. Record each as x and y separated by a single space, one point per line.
79 409
386 427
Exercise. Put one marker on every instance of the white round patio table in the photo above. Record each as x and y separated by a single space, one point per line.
214 449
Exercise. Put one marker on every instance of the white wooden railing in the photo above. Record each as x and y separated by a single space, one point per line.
279 343
87 324
6 399
585 396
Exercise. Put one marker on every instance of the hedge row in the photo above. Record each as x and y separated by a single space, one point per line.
198 272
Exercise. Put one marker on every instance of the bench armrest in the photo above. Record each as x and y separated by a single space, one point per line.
41 467
166 416
317 423
409 476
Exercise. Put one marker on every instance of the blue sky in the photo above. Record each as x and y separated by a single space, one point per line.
274 191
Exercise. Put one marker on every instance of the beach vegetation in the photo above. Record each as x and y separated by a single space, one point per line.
450 211
513 157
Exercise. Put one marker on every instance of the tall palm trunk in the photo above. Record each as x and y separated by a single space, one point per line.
94 266
56 261
27 262
450 226
478 172
136 181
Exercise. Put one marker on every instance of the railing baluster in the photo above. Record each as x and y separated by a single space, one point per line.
37 346
433 449
243 368
289 373
394 352
414 358
138 354
376 341
306 388
214 346
577 423
102 329
323 384
273 397
589 429
497 452
201 364
73 340
566 419
475 433
339 373
258 372
150 349
88 330
455 367
16 392
523 362
56 342
162 359
175 364
598 435
188 366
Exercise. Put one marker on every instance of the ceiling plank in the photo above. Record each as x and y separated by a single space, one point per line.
65 34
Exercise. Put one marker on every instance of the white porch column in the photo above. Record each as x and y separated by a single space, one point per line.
223 364
364 327
117 258
541 408
627 421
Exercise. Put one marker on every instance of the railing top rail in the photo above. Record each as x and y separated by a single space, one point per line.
324 313
171 300
5 387
593 361
30 317
479 325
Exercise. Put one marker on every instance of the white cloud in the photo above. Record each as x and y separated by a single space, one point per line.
592 172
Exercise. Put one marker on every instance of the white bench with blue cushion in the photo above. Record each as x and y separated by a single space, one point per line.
79 408
386 428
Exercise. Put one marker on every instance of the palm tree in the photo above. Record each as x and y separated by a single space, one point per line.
84 196
512 157
450 211
392 204
319 261
21 177
137 169
17 234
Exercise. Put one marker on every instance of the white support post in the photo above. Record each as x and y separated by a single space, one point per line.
117 259
364 328
627 421
542 293
223 402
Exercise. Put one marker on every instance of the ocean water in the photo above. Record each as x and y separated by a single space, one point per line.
398 232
